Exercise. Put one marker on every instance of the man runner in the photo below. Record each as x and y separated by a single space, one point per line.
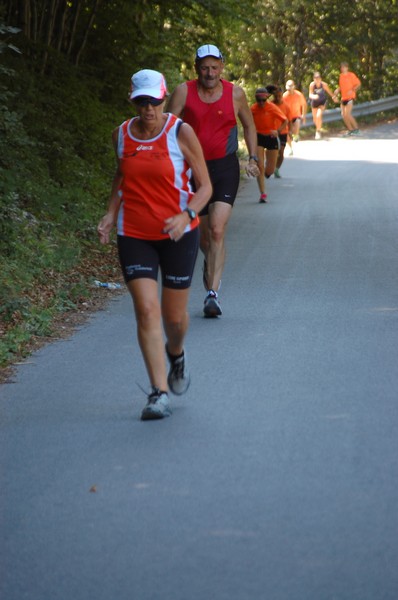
298 108
349 84
212 106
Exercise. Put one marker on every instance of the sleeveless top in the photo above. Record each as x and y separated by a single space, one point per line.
214 123
155 182
321 100
267 117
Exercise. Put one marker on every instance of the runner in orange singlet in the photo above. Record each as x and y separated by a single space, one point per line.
155 209
348 86
269 121
298 108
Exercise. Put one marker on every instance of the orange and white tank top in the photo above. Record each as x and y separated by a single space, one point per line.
155 182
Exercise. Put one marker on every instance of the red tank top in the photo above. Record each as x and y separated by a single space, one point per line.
155 182
215 123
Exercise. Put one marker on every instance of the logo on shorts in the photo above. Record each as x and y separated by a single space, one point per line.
132 269
177 280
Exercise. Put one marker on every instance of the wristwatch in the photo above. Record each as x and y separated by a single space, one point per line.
191 213
253 157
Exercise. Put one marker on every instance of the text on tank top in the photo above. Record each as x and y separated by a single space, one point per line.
155 182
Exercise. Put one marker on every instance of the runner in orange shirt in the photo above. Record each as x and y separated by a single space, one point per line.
298 107
349 84
269 121
284 134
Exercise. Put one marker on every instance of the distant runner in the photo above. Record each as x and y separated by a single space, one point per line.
269 121
317 94
298 108
348 86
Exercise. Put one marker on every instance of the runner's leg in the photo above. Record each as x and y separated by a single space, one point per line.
270 163
350 121
261 168
217 221
175 318
149 329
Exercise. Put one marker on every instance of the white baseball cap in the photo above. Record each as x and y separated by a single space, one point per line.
208 50
148 83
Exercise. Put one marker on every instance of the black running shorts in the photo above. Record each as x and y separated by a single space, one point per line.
268 142
142 258
283 139
224 176
345 102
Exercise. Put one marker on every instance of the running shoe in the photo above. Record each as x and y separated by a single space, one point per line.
277 174
355 132
291 152
296 138
178 378
263 199
157 406
318 135
212 306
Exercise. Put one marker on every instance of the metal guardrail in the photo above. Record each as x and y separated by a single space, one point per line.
366 108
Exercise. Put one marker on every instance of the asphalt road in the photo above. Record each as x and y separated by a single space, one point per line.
276 478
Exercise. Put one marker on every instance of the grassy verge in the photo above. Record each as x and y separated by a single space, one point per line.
56 165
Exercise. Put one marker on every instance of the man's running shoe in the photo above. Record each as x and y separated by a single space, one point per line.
178 378
212 306
355 132
296 138
277 174
263 199
318 135
157 406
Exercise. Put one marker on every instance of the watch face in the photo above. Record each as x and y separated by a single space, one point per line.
191 213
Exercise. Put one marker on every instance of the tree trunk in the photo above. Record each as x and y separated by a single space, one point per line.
74 27
61 32
49 34
87 31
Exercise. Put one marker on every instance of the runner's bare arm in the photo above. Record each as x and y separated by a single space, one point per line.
193 153
245 116
303 108
176 102
310 92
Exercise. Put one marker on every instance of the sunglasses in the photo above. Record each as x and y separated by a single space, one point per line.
146 100
261 99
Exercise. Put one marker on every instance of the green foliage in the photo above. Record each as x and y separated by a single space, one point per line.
56 164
